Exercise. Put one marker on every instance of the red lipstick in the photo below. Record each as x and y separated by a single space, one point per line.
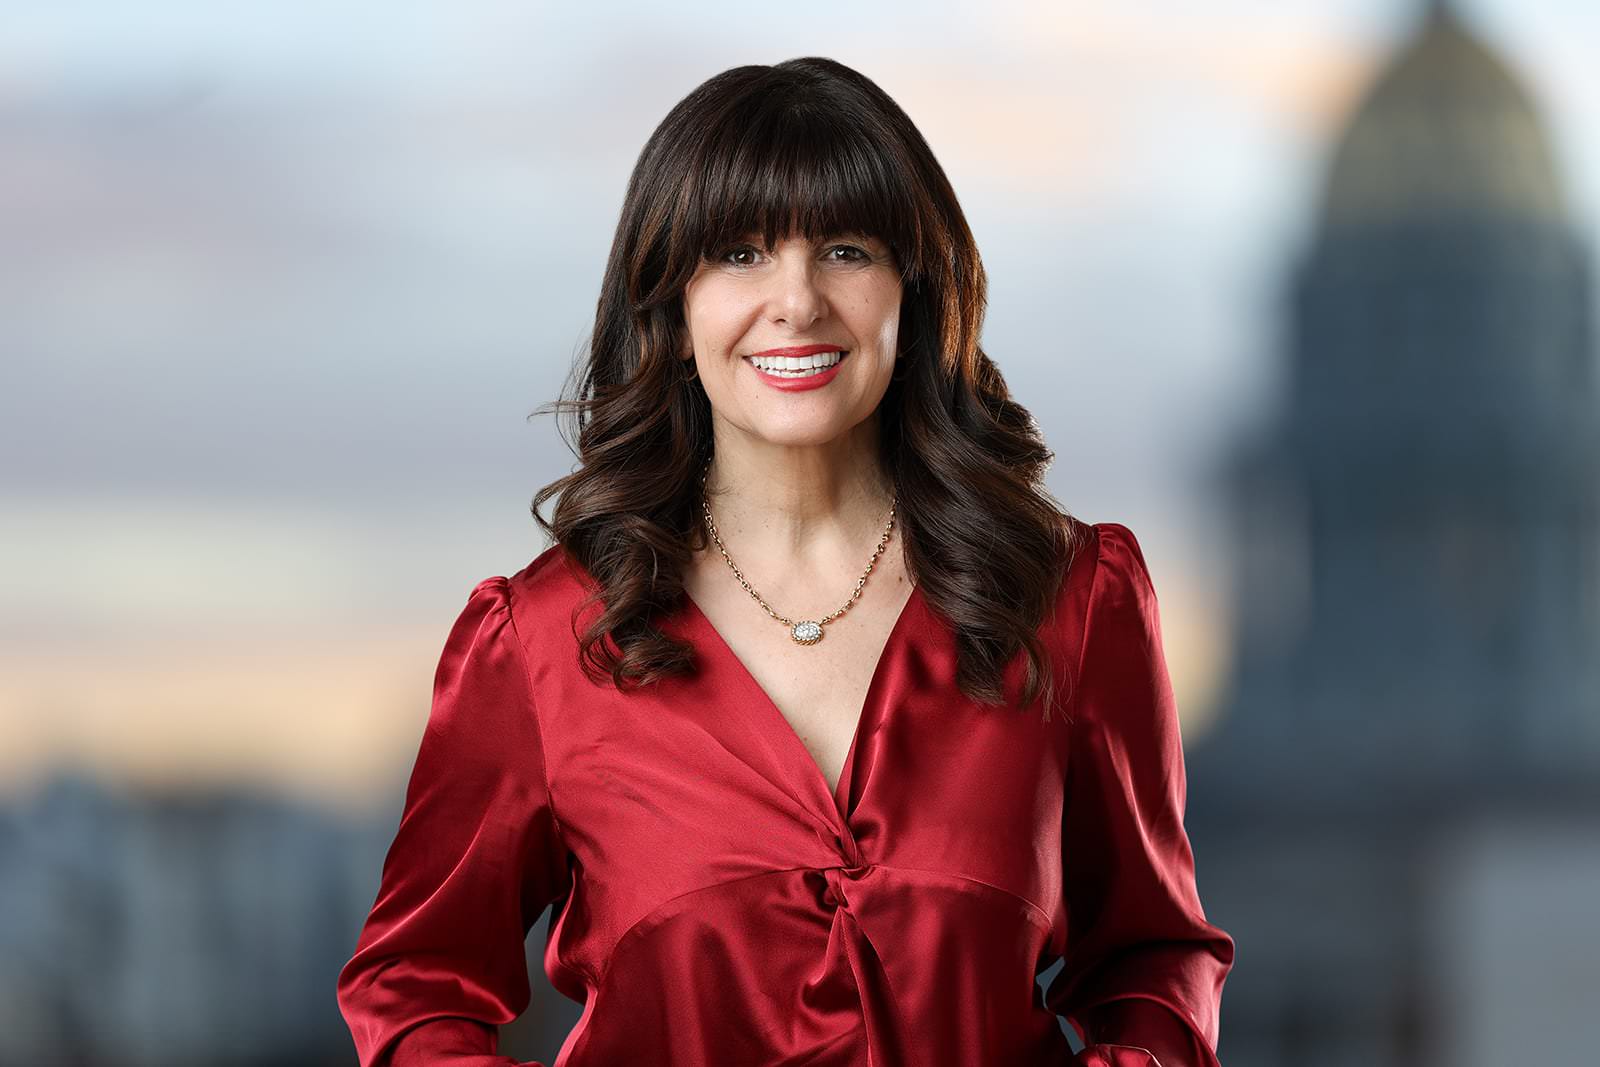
802 350
811 381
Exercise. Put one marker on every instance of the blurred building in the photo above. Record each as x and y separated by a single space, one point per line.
194 928
182 929
1398 817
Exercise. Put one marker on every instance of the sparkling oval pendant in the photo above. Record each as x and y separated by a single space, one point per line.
807 632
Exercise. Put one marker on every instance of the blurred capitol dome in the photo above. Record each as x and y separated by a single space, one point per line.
1448 130
1397 809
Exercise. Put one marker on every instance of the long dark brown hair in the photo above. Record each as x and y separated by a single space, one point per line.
806 146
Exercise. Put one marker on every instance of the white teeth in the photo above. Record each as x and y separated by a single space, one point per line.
797 366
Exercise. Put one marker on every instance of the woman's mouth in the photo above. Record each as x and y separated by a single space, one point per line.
797 368
798 374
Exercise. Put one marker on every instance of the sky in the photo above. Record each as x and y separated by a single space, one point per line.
281 287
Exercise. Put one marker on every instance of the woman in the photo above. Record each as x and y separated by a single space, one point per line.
823 728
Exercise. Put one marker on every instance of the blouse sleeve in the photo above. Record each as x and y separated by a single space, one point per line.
1137 933
440 963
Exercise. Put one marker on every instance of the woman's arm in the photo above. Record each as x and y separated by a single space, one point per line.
1143 967
440 962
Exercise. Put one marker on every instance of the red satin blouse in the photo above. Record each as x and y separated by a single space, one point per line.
717 904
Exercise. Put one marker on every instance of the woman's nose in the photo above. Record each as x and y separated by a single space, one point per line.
795 296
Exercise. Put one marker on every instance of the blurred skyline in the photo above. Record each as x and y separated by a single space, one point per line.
281 290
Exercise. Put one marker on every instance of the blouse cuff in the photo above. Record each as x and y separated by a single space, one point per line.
1115 1056
1161 1028
457 1041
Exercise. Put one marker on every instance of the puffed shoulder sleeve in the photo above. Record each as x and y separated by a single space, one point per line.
1143 969
439 963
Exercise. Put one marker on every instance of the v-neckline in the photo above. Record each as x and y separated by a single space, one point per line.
780 721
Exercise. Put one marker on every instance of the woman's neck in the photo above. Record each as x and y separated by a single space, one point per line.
799 515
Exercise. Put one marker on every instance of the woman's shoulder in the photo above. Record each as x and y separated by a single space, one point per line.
546 592
1105 571
1104 550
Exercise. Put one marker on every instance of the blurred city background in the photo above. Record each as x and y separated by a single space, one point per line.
1302 292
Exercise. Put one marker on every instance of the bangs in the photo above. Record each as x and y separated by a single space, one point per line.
778 169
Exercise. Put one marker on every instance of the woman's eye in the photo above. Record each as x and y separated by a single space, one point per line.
853 255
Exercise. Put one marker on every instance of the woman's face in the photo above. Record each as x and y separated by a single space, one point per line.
841 293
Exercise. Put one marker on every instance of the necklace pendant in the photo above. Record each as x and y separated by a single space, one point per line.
806 633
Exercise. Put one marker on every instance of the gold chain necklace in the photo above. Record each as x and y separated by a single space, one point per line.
805 631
